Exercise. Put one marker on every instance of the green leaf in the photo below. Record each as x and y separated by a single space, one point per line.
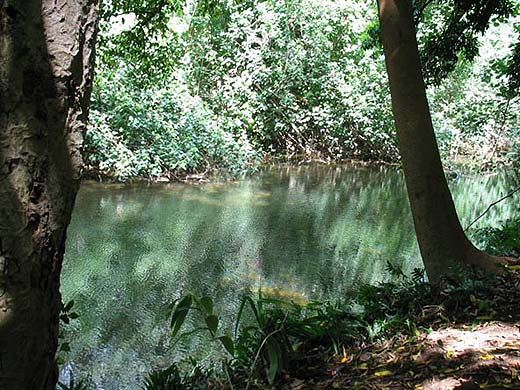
246 299
65 347
212 323
73 315
228 344
179 314
68 306
177 320
207 304
274 357
169 309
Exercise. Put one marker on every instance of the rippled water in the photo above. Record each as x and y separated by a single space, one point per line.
298 232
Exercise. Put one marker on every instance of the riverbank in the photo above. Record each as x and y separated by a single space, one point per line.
215 174
465 337
453 169
479 349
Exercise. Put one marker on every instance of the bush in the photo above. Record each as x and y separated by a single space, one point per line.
504 240
159 133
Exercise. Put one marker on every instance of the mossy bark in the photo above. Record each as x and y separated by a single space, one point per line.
443 244
46 65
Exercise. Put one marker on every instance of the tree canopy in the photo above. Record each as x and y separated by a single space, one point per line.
289 79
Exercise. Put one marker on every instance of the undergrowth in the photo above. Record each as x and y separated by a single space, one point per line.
504 240
284 338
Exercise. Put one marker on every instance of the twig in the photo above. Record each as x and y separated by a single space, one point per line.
491 205
228 378
258 355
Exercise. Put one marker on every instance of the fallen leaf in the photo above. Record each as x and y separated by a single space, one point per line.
447 370
486 356
298 384
344 357
384 373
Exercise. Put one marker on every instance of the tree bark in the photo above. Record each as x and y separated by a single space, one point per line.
443 244
46 65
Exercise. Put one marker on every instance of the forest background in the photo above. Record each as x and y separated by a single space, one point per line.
226 86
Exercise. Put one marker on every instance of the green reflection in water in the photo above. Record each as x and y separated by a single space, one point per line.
297 232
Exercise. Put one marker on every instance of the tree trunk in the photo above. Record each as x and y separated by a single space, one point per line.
444 246
46 64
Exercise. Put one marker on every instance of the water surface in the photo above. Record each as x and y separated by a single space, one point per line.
298 232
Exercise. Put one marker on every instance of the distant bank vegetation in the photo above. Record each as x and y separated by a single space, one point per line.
292 80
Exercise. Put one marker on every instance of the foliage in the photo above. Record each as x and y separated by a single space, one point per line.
210 84
139 32
167 379
504 240
406 303
449 31
277 336
82 384
281 336
295 75
158 133
172 378
390 317
476 125
66 316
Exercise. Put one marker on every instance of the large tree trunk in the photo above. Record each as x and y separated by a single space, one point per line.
46 64
444 246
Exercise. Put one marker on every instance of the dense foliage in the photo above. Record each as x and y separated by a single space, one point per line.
220 85
161 132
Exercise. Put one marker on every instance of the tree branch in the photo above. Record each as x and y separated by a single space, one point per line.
491 205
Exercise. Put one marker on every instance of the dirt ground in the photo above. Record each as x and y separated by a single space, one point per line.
479 351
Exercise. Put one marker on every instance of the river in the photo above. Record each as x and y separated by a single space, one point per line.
302 233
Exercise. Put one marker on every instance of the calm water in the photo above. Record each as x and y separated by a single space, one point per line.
302 233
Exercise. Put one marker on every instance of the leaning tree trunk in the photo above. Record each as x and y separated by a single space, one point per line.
442 242
46 64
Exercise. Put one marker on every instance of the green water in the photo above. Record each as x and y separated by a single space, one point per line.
298 232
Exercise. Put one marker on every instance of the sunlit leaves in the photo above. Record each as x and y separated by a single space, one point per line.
139 32
185 88
450 31
204 305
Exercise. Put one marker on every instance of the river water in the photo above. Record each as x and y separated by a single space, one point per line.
301 233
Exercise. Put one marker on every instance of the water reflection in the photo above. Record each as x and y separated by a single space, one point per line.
302 233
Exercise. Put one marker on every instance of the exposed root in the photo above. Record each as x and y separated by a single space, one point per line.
482 260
